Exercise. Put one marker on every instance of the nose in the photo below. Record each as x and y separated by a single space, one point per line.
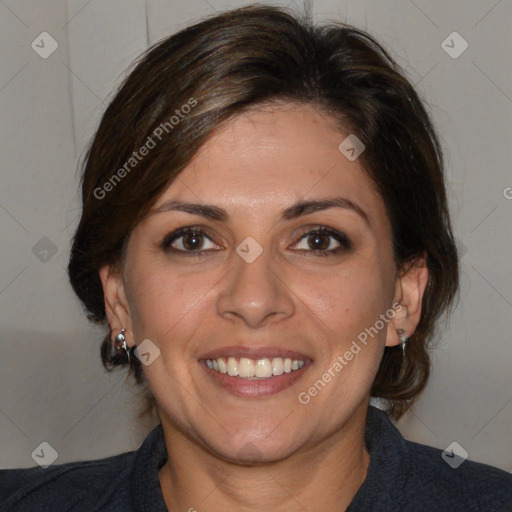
255 291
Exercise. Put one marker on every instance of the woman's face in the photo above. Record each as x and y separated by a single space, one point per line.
247 283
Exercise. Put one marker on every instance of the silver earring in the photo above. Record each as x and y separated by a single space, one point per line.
121 340
403 339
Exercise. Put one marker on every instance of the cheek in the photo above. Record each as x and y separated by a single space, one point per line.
163 302
349 300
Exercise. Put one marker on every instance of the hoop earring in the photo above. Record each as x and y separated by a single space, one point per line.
403 339
121 344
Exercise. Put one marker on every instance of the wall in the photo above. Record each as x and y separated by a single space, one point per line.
52 385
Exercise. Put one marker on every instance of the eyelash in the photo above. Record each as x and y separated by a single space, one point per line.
341 238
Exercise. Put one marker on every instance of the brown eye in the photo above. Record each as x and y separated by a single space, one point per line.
192 241
322 242
187 240
319 241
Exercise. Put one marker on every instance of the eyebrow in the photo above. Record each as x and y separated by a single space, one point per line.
299 209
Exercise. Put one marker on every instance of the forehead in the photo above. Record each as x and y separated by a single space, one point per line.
264 160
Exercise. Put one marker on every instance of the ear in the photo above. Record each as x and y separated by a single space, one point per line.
116 304
410 286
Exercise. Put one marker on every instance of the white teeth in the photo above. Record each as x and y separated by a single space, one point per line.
246 367
254 368
262 368
277 366
223 367
232 367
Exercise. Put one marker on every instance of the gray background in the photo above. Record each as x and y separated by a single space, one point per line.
52 385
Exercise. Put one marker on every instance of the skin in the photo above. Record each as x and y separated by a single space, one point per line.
309 457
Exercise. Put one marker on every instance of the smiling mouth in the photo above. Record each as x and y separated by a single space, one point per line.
254 369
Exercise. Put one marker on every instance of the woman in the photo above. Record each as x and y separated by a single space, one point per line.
265 230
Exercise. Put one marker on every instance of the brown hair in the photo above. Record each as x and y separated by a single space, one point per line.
188 85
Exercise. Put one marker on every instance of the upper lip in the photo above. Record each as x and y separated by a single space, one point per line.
254 353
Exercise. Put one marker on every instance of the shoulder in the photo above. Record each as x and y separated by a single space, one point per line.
96 485
407 476
478 486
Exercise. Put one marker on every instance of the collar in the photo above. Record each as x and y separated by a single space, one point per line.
146 491
383 487
386 478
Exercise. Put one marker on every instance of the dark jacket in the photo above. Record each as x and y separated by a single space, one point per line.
402 476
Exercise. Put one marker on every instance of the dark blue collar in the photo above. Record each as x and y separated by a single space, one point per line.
384 484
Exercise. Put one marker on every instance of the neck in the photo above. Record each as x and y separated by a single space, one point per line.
325 476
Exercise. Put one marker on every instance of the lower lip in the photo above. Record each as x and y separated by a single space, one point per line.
239 386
